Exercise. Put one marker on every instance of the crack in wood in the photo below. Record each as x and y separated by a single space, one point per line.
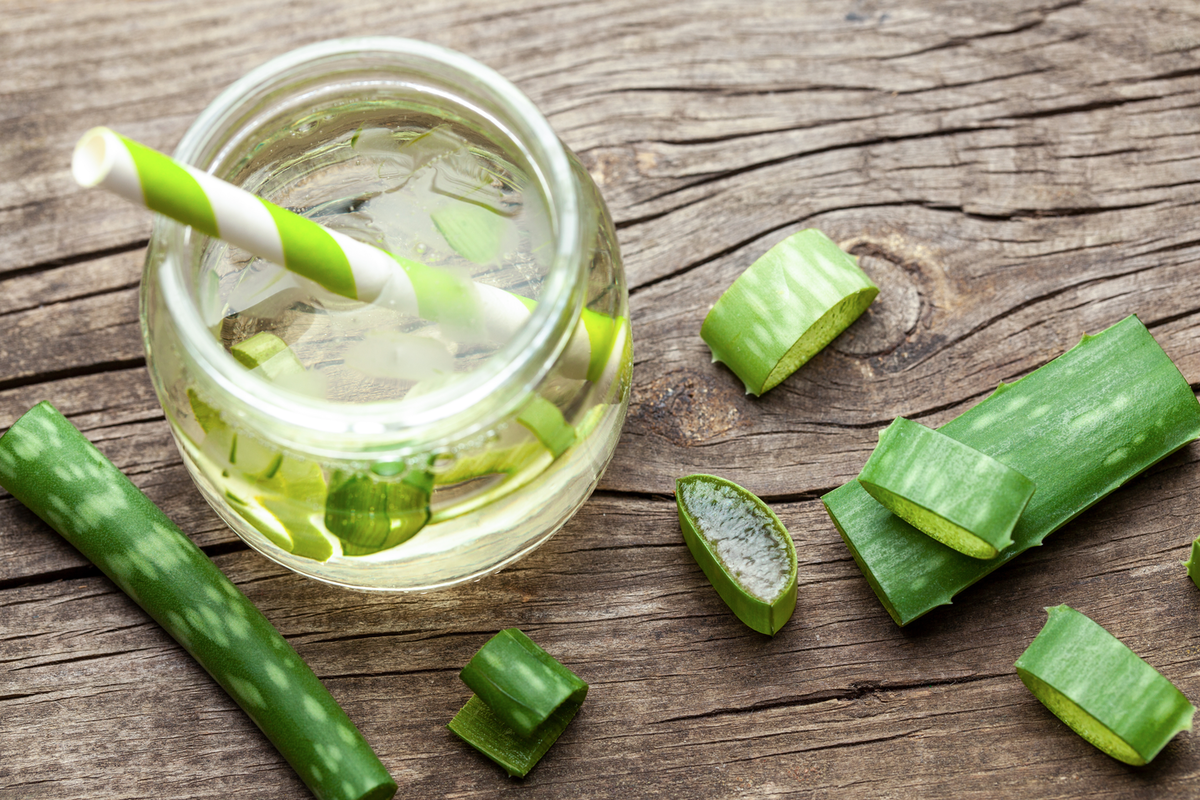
74 298
856 691
71 372
66 261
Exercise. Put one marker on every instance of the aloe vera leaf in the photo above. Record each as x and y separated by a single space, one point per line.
492 461
946 489
1078 427
540 417
543 419
47 464
1193 563
474 232
257 349
524 699
369 514
521 682
206 416
742 547
1101 689
785 308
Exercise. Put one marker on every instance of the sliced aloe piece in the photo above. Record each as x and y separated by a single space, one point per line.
524 699
785 308
743 548
946 489
1101 689
370 513
280 492
1079 427
1193 563
543 419
474 232
257 349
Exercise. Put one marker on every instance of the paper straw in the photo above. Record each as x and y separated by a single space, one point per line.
344 266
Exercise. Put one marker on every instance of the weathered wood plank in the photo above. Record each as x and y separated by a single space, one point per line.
1011 178
689 699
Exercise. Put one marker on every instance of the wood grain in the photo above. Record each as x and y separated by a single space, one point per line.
1012 176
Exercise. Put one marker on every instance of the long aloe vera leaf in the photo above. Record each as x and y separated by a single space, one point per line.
785 308
946 489
1078 427
47 464
1102 689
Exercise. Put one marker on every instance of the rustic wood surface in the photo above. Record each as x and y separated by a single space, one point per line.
1012 174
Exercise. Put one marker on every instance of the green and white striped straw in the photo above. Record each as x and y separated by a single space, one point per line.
343 265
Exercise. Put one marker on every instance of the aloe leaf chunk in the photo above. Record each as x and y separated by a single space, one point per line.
1101 689
742 547
475 232
946 489
47 464
524 699
785 308
370 513
546 422
1078 427
1193 563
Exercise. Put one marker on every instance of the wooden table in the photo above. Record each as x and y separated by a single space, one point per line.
1012 175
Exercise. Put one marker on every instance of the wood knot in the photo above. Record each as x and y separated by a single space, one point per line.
888 321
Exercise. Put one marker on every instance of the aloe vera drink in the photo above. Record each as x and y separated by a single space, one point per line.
368 445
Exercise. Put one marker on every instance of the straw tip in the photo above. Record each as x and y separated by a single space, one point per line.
93 157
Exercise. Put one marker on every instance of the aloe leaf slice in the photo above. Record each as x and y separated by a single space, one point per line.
370 513
785 308
546 422
945 489
524 699
475 232
742 547
1101 689
1193 563
1078 427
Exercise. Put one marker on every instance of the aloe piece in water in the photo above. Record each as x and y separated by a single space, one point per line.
946 489
1102 689
1078 427
371 512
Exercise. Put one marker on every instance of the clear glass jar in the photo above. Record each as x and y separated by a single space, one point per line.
351 442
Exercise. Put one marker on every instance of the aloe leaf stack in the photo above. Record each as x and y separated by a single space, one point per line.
1078 427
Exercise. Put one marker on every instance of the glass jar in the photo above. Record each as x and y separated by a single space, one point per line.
363 444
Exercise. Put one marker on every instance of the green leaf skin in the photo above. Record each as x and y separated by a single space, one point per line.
714 514
1102 689
521 682
370 515
47 464
1078 427
785 308
545 421
524 699
1193 563
948 490
258 349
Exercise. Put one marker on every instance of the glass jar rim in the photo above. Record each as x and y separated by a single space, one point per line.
474 401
